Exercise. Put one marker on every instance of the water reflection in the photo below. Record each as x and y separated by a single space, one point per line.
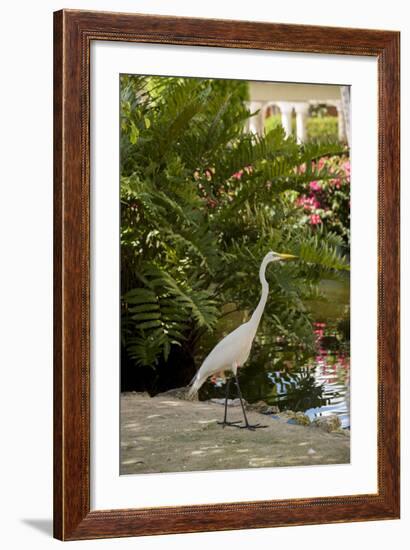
317 384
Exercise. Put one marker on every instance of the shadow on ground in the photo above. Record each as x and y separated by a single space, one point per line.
45 526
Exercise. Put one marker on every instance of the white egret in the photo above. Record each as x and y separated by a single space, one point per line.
233 351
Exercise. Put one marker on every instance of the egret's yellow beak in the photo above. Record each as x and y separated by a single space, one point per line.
287 257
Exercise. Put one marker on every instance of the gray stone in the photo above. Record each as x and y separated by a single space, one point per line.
328 423
263 408
179 393
293 417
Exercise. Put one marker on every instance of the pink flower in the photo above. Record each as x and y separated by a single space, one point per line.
308 203
315 186
238 175
315 219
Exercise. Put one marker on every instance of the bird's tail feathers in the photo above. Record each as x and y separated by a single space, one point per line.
194 385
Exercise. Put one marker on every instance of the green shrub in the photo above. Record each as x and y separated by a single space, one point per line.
322 128
317 128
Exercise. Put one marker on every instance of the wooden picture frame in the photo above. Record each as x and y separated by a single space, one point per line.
74 32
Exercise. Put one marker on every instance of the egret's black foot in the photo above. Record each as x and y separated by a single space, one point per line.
252 427
234 423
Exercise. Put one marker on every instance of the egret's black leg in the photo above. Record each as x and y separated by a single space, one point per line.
247 425
228 383
225 422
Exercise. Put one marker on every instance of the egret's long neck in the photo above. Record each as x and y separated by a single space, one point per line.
257 314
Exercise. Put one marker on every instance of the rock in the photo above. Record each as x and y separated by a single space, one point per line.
287 414
262 407
302 419
130 394
179 393
342 431
328 423
293 417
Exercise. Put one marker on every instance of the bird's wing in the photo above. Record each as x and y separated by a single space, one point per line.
234 348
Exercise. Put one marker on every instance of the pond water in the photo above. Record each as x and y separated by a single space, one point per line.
315 383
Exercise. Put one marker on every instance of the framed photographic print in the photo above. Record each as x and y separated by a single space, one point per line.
226 284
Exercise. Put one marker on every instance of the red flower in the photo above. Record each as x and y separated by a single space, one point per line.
315 219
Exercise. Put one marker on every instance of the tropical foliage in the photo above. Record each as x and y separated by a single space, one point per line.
202 201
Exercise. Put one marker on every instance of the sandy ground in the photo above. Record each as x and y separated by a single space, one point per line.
161 434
